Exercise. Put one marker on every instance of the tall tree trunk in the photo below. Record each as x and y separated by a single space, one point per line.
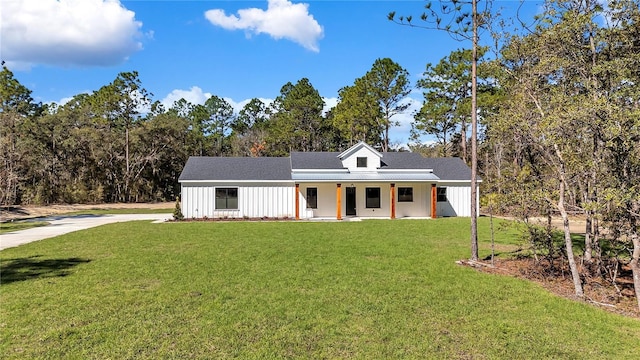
577 284
463 137
588 237
474 135
127 174
635 261
385 144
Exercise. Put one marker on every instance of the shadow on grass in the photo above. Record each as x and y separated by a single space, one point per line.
21 269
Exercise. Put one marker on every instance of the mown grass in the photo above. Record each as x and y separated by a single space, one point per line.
368 290
20 225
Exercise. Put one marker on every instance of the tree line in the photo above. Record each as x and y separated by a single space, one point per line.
117 144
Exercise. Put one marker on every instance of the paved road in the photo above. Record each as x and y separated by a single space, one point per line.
65 224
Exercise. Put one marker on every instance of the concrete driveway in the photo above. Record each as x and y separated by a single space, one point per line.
65 224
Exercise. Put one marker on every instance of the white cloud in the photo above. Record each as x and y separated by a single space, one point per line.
329 103
68 32
237 106
282 19
195 95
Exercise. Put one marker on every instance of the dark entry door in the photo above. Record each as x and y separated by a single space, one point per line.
350 202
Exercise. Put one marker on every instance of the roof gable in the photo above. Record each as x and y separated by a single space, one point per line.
355 148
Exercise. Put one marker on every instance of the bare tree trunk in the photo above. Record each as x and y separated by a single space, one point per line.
588 236
463 137
577 284
474 135
127 175
385 144
635 261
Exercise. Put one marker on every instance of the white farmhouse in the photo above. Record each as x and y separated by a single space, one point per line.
359 182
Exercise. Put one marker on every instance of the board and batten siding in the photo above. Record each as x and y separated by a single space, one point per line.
274 200
458 200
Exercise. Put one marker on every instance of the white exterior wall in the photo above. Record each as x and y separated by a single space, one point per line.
326 200
361 201
419 207
458 200
351 162
421 204
275 200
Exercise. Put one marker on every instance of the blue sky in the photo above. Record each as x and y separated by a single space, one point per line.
237 50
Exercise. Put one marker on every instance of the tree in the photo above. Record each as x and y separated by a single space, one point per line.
219 121
249 130
16 106
435 118
358 115
569 60
389 84
462 25
121 103
297 122
447 93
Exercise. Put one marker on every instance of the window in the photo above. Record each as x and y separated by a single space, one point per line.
405 194
362 162
226 198
442 194
312 198
373 197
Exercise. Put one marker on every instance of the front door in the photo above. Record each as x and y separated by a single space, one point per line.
350 203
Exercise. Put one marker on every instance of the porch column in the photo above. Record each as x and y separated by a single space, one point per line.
393 201
433 201
297 201
338 203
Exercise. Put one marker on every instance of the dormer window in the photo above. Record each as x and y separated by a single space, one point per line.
362 162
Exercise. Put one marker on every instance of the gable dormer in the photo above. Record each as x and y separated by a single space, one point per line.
361 157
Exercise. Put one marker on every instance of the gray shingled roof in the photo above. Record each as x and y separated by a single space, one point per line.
271 168
449 168
315 160
403 160
236 168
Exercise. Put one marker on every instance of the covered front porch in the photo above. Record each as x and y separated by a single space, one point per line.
358 200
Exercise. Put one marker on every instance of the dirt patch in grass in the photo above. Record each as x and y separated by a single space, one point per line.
618 298
32 211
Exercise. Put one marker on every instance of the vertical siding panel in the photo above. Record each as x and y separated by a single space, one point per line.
276 201
256 201
290 203
248 202
273 203
273 200
275 210
196 196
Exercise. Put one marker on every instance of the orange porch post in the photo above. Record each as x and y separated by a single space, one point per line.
393 201
297 201
338 203
433 201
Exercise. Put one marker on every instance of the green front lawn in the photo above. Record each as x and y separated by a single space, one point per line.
370 290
